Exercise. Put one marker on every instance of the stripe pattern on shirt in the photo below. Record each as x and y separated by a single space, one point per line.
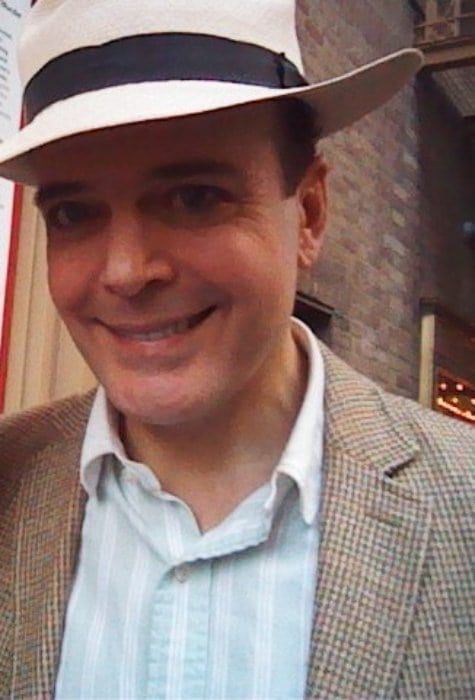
160 610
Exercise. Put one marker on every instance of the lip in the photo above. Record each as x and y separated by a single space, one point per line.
132 329
127 337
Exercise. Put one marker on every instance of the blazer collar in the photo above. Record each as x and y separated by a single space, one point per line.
359 421
374 537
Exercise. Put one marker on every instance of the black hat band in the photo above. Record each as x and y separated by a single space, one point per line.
157 57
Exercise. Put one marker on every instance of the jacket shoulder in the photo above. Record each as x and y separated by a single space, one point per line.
23 435
391 431
443 466
445 440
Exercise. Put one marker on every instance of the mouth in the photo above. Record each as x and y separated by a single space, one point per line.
163 331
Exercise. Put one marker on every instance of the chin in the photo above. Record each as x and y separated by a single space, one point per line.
151 403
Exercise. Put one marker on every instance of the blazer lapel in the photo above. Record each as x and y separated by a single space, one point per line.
51 508
374 536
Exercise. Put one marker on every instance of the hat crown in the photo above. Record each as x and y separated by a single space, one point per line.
56 27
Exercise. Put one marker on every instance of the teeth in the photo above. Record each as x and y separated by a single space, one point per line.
167 331
173 329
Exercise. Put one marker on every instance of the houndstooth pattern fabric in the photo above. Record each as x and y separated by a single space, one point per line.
395 599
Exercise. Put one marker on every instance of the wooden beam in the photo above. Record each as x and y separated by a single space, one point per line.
426 360
444 55
432 306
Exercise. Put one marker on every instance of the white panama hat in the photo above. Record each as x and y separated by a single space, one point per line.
94 64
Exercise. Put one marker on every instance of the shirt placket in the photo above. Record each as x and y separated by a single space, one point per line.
179 639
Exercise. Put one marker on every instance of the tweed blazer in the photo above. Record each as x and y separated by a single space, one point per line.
395 598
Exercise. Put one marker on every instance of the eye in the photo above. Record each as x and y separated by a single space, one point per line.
191 205
197 199
69 215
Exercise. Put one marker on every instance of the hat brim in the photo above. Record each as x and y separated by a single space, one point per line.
338 103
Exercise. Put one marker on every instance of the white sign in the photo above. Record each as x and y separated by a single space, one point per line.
11 15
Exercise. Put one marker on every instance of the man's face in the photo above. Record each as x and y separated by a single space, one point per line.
173 255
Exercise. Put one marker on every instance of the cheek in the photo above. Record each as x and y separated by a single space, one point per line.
249 274
68 283
247 257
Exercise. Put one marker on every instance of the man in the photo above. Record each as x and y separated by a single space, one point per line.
235 513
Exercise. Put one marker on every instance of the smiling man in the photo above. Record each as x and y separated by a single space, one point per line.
210 523
183 310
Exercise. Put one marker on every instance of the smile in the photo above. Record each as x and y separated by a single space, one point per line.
163 331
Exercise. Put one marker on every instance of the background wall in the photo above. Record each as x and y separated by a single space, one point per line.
399 192
43 363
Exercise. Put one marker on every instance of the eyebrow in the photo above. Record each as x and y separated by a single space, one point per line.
57 190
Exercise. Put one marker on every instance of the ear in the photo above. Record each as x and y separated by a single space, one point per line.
312 199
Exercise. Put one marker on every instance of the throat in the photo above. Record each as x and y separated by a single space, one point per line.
211 476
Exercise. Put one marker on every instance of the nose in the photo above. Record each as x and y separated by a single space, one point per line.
134 258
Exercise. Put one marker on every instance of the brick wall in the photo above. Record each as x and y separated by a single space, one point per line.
376 266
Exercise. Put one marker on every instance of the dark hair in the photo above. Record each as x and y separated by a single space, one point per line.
296 145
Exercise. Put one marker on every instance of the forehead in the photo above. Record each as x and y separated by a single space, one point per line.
240 136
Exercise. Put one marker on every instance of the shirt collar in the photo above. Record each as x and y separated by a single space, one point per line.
301 459
101 439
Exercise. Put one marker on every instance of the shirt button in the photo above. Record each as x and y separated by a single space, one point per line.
129 477
182 573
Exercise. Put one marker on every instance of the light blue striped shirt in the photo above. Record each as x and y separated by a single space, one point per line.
159 610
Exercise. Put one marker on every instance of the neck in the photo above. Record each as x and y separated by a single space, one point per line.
214 463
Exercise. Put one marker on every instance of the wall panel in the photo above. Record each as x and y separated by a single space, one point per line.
43 362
